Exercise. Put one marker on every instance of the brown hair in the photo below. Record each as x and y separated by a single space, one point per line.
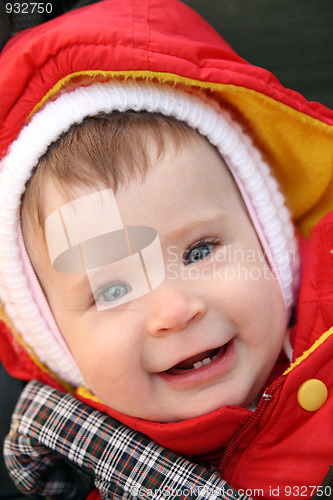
108 149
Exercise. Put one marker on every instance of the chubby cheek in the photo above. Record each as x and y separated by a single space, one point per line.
119 387
107 352
255 303
267 321
109 377
262 327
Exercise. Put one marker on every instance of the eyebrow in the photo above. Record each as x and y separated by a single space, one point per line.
188 228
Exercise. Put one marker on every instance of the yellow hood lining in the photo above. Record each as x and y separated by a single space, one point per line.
309 351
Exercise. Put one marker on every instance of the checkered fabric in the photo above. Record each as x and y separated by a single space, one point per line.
50 429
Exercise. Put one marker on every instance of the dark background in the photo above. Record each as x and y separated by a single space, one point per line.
291 38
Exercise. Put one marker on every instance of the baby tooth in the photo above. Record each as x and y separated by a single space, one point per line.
204 362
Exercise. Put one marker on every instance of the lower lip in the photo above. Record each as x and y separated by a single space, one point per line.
203 374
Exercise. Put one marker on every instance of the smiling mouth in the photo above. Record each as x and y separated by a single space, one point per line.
198 361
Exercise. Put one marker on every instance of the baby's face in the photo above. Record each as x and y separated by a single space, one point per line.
209 334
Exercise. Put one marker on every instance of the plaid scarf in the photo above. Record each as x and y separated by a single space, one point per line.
52 430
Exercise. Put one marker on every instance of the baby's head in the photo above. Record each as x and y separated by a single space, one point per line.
206 330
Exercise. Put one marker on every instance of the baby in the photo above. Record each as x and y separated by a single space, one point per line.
209 333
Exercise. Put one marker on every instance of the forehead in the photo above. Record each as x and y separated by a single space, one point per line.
182 183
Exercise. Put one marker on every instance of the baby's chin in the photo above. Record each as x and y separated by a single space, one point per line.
182 414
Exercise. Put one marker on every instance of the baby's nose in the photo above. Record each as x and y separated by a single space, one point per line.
173 311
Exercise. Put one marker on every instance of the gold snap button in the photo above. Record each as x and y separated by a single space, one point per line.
312 394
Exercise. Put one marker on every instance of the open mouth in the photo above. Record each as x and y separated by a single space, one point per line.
198 361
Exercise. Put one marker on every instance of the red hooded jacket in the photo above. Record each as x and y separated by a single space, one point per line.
281 444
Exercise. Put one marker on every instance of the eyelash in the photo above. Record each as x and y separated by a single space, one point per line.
102 288
215 241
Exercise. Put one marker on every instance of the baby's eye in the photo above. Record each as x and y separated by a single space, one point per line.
113 292
198 252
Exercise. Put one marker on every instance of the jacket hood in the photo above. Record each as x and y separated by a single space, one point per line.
148 39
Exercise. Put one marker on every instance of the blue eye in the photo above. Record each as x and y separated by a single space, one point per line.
197 253
114 292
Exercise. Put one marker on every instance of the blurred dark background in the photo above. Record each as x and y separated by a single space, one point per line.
293 39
